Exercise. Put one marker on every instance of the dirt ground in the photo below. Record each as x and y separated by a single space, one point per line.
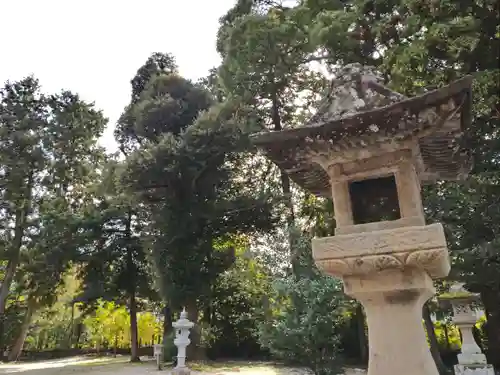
85 366
144 369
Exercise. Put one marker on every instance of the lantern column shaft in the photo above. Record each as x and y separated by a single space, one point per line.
469 345
393 302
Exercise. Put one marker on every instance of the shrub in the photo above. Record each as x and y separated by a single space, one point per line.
305 329
169 349
237 308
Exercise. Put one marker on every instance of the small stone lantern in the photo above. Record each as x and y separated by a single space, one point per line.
158 354
370 148
182 341
465 315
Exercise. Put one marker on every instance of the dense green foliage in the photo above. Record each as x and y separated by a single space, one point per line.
308 315
306 330
48 153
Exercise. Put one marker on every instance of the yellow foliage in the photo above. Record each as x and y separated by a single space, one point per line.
110 326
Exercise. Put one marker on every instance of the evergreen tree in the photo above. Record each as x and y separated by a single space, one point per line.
48 152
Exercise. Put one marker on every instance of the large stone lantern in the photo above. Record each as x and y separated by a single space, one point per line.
370 148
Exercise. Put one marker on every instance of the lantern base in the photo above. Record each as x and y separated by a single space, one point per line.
474 370
471 359
181 371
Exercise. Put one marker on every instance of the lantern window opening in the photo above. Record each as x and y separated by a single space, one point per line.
374 199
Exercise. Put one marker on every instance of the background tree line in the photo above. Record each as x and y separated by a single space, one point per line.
189 214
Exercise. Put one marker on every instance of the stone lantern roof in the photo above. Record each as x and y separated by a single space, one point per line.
359 113
459 293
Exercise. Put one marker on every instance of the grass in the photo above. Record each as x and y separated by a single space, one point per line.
229 366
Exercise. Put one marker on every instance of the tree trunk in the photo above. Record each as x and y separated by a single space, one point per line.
79 330
4 293
41 342
363 340
17 349
434 346
167 328
7 282
285 182
71 327
132 271
446 336
167 323
134 337
14 255
491 302
194 351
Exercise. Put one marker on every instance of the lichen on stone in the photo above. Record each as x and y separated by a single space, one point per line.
350 94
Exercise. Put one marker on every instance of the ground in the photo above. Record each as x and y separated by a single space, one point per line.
85 366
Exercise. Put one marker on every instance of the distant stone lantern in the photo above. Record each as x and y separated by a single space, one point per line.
471 361
182 341
369 148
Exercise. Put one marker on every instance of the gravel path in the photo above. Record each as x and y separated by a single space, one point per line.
82 366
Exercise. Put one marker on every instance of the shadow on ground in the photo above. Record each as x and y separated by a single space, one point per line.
75 365
246 368
121 366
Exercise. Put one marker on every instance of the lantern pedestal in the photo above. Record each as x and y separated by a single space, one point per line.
393 302
474 370
390 272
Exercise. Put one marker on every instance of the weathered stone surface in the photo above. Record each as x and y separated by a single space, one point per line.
351 94
429 237
395 298
471 354
474 370
421 247
414 221
361 118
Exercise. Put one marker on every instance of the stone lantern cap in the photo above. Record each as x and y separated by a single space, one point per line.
359 113
458 293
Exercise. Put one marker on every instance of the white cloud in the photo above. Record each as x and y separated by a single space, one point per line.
94 47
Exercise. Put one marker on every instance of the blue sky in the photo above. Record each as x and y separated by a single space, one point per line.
94 47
